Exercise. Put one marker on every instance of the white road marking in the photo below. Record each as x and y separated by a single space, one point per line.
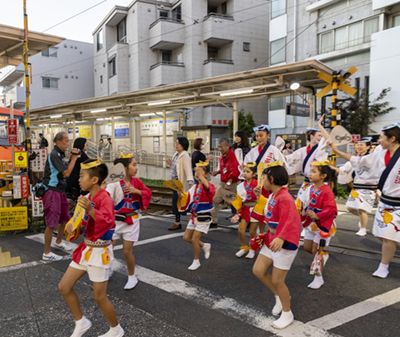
358 310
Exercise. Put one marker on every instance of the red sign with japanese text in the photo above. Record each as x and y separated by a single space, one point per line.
12 132
24 187
355 138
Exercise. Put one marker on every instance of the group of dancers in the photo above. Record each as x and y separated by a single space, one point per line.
114 210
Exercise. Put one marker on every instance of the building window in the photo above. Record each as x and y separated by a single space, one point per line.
51 83
246 46
212 53
278 54
357 86
166 56
348 36
99 40
164 14
278 7
366 85
177 12
277 103
396 21
101 79
121 31
224 8
112 69
51 52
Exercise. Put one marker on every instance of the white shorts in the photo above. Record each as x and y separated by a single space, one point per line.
315 236
199 226
361 199
387 222
128 232
282 260
96 274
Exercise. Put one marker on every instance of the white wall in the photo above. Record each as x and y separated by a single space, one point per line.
385 59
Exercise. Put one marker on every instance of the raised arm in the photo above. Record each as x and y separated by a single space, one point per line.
325 134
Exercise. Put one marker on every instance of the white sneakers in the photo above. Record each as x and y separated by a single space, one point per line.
382 271
277 309
362 232
81 327
284 321
116 331
241 252
250 254
195 265
51 257
207 250
317 283
132 282
61 246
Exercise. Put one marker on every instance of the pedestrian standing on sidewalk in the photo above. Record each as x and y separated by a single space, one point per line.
181 169
229 171
55 203
94 255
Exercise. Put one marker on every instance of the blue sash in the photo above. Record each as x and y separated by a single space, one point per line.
262 153
308 157
388 168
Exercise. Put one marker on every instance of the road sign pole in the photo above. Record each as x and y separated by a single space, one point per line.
335 85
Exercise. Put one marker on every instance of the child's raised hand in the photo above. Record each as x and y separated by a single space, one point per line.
276 245
85 203
68 228
257 191
312 215
235 218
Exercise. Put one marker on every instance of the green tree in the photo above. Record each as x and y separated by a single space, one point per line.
361 112
245 123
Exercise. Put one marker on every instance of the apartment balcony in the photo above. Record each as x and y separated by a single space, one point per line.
10 75
217 67
166 72
167 34
218 27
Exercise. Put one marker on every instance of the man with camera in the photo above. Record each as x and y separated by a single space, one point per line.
55 202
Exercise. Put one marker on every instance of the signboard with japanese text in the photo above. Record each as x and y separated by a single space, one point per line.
155 127
37 207
297 109
39 163
12 131
20 187
13 218
71 134
85 131
21 159
297 140
105 130
355 138
121 130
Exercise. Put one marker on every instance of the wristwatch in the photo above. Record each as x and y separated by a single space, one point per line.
228 183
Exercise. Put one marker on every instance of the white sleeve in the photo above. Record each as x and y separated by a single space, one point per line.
322 154
370 160
294 162
305 200
345 173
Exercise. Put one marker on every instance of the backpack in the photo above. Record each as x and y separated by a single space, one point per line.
45 143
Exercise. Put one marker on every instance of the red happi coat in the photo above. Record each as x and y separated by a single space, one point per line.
229 167
245 193
322 203
100 229
281 213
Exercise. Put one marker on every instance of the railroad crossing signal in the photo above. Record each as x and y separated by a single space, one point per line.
340 81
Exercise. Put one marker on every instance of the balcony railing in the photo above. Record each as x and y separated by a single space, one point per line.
167 63
225 61
218 16
166 20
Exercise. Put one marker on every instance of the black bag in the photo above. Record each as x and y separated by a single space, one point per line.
39 189
45 142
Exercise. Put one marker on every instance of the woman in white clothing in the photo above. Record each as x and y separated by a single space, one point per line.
384 165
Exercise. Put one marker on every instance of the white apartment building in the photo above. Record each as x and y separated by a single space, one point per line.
60 74
154 43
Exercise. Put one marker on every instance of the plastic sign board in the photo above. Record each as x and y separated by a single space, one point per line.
13 218
21 159
12 132
20 187
37 207
355 138
39 163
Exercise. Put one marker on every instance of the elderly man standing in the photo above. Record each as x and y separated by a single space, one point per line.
55 202
229 171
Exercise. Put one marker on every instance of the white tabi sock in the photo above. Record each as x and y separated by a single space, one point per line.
382 271
317 283
277 309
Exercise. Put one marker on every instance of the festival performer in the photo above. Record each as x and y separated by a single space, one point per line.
301 159
385 166
130 197
318 211
244 203
280 244
95 254
198 201
362 196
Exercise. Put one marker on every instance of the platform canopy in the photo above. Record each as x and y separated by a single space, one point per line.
12 44
244 86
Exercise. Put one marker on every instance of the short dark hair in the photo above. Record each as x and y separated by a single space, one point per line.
278 173
108 138
123 161
40 134
197 143
393 132
325 169
184 142
252 168
100 171
206 169
59 137
225 141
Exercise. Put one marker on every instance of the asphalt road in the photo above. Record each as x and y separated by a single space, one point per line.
221 298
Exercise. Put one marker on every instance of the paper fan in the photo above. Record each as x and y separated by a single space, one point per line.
339 136
279 143
116 173
175 185
229 196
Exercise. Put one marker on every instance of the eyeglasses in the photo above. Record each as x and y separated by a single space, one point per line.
262 127
312 129
387 127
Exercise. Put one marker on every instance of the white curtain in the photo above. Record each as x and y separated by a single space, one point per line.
370 27
340 38
326 42
355 34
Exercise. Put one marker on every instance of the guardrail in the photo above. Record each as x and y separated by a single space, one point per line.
167 63
167 20
225 61
218 16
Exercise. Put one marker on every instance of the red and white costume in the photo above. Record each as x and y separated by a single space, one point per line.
229 167
98 232
127 223
272 154
387 217
199 202
322 203
245 194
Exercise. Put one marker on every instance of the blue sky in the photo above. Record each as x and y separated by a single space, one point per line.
43 14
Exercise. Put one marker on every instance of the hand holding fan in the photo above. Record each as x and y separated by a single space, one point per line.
339 136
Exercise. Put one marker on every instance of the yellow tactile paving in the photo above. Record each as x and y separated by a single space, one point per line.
7 260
